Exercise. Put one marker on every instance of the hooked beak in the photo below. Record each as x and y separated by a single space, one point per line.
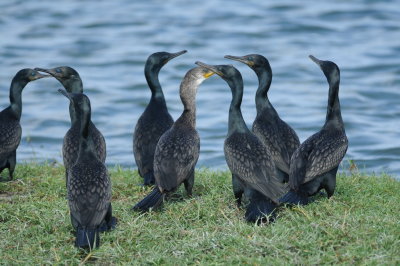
39 76
213 69
51 71
173 55
241 59
316 60
66 94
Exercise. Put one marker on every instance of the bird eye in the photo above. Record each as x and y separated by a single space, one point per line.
33 74
250 58
58 70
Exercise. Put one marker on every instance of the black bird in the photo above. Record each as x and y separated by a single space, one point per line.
155 119
251 164
72 82
278 136
178 149
89 185
315 163
10 128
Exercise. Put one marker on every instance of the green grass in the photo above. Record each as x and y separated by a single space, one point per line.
360 224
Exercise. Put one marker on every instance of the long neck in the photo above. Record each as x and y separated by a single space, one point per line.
236 121
264 83
15 97
333 114
85 142
73 86
188 92
151 74
74 116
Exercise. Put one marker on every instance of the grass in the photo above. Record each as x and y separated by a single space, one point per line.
359 225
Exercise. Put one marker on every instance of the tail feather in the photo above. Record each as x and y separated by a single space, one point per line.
87 238
153 200
260 209
294 198
149 179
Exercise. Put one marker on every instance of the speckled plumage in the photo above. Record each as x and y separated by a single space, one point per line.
315 163
251 161
70 146
89 191
253 170
280 139
72 82
89 185
176 156
154 121
10 137
178 149
10 128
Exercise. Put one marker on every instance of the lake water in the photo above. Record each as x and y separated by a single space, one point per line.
107 42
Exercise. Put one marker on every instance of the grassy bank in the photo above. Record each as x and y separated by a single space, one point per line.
360 224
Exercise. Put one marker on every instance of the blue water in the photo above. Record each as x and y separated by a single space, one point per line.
109 41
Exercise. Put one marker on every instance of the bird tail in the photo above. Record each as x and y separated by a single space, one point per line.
149 179
294 198
260 209
153 200
87 238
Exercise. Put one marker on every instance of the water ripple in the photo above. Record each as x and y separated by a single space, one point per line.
108 43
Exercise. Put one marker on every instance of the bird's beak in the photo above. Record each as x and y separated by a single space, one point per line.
66 94
241 59
316 60
51 71
40 76
211 68
173 55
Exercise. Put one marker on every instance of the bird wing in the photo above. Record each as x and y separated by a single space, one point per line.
248 158
320 153
326 155
89 193
298 163
269 137
175 157
99 142
290 139
10 136
70 147
148 131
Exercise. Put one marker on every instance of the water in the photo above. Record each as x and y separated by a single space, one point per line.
109 41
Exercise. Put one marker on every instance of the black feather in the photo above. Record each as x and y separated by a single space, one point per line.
87 238
151 201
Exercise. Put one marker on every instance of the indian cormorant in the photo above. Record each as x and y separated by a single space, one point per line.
251 164
89 185
155 119
278 136
72 82
178 149
10 127
314 164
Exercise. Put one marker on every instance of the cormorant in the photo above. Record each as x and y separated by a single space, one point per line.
178 149
10 127
278 136
155 119
72 82
314 164
251 164
89 185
